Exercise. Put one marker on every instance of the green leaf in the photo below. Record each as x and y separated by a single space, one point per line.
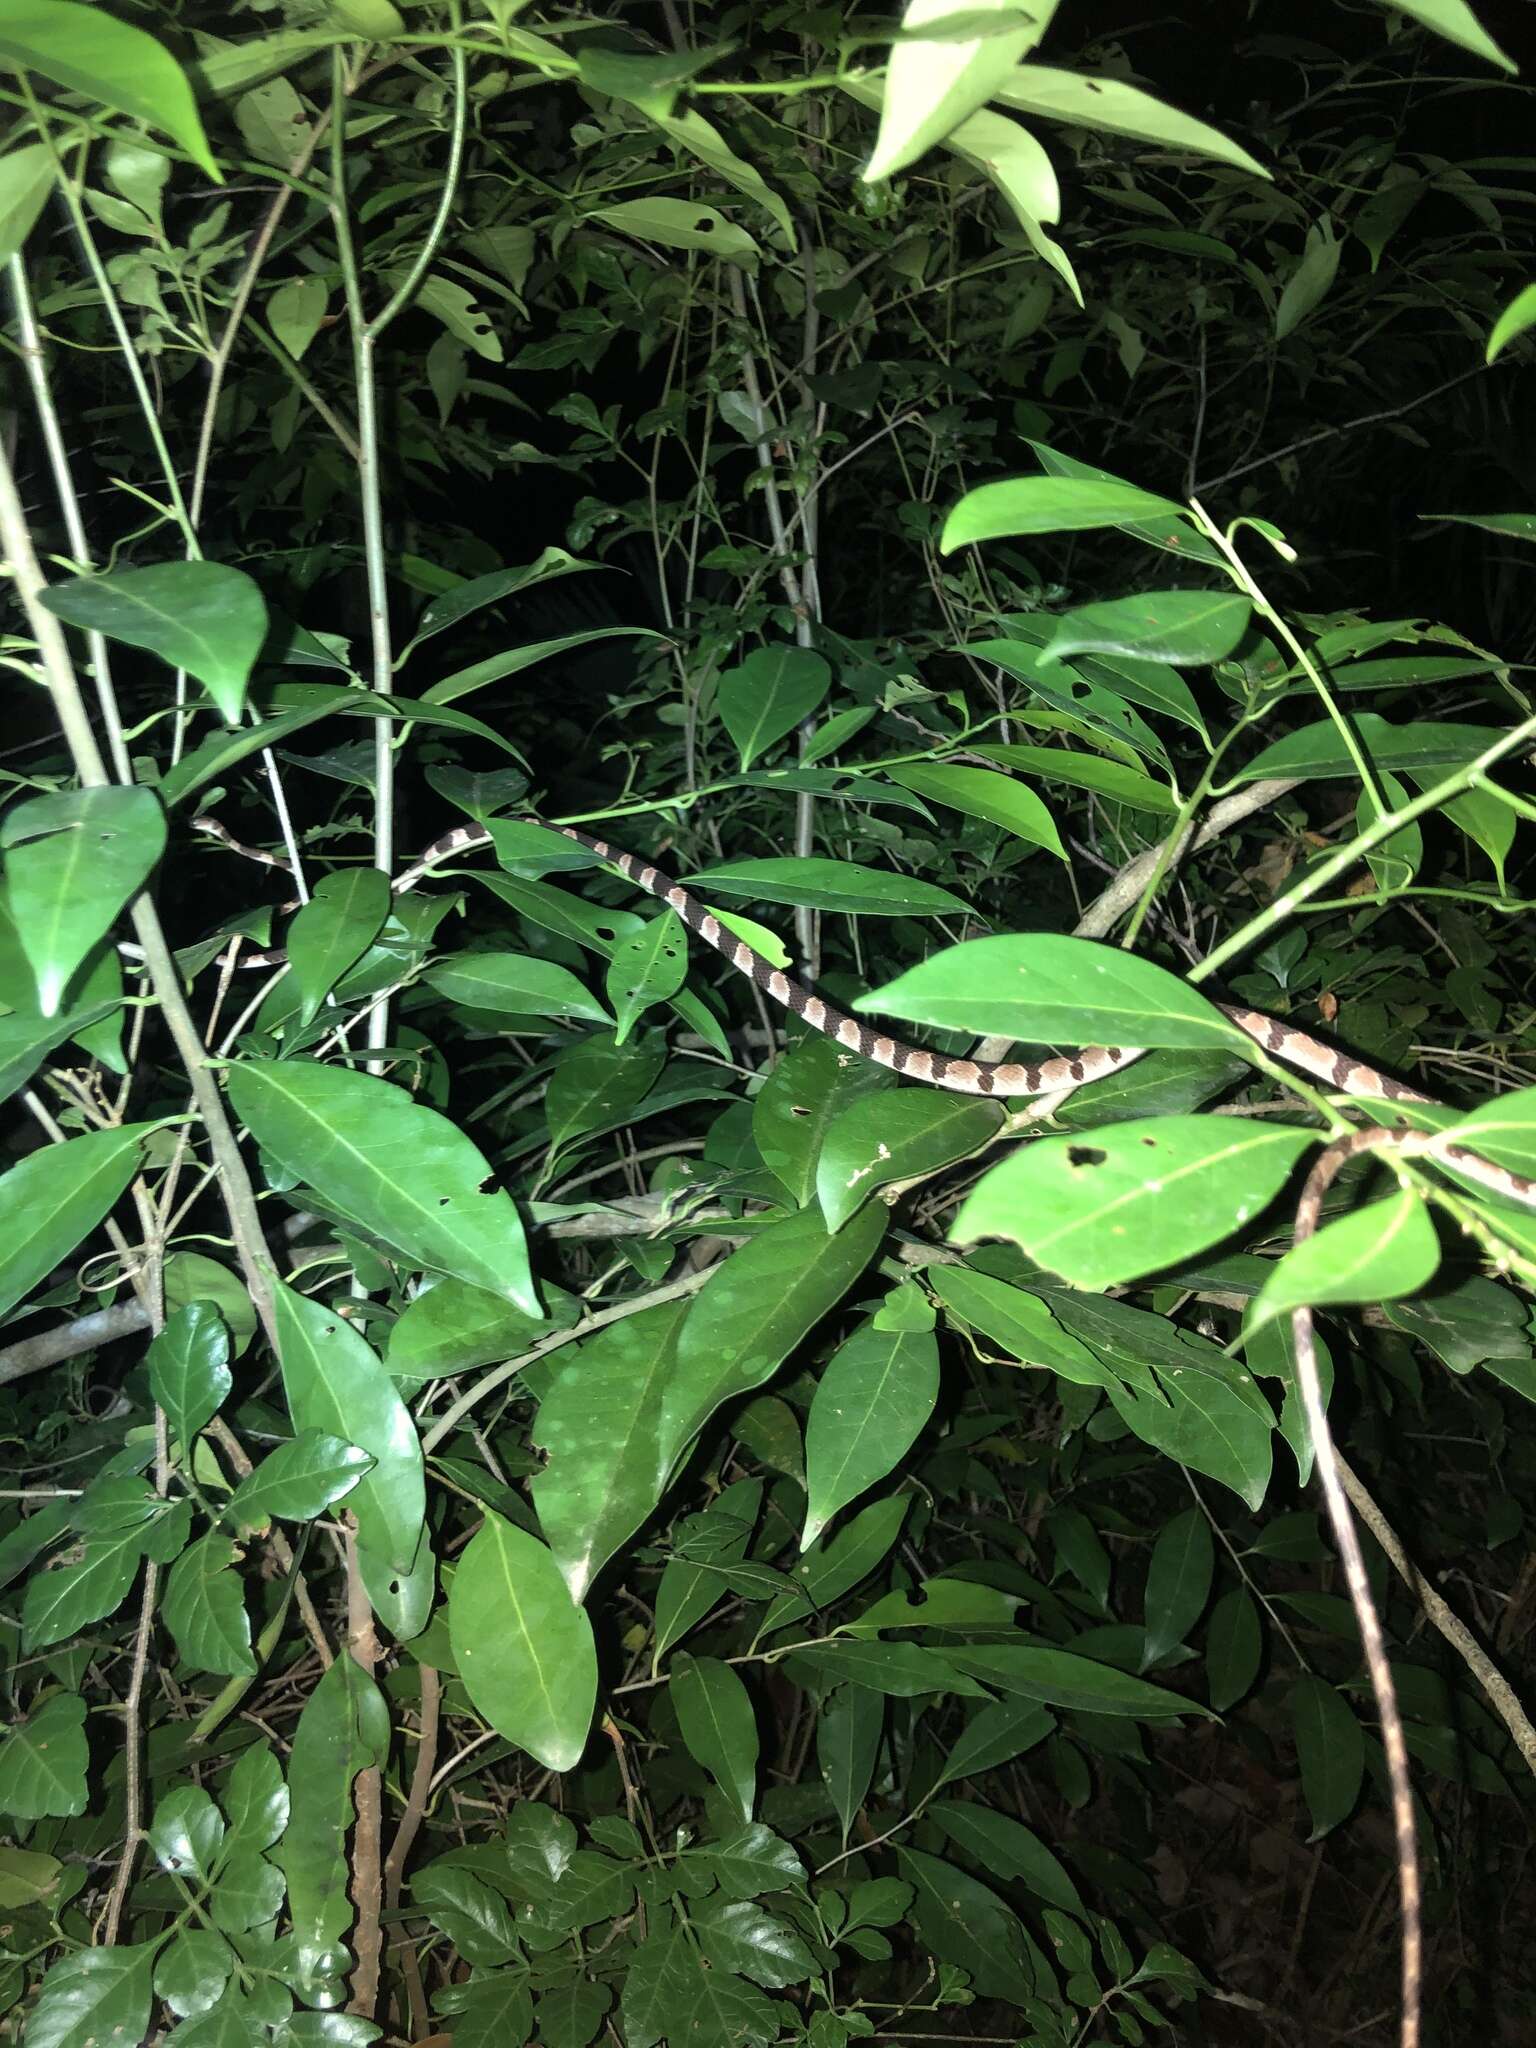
1048 989
494 2010
1049 504
1517 317
1378 1253
1330 1747
648 968
94 1995
933 85
994 1736
513 660
888 1136
464 599
835 885
808 1091
1317 752
715 1713
671 1993
26 179
516 984
1178 1583
70 1597
571 2013
832 1566
189 1368
110 63
769 694
453 1327
342 1729
1513 525
597 1082
691 1583
72 862
1057 1678
337 1385
1503 1130
186 1832
296 312
298 1481
472 1916
1007 1850
523 1646
43 1761
204 617
753 1860
256 1800
1187 628
754 1309
848 1732
900 1670
966 1923
737 1935
192 1971
1234 1648
26 1040
1112 779
1309 283
1022 1321
981 793
1107 105
394 1166
1455 20
249 1892
874 1396
204 1609
1122 1201
599 1428
58 1197
333 931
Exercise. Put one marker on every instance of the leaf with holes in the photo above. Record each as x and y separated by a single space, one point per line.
888 1136
1126 1199
189 1370
715 1713
43 1761
648 968
403 1172
204 1609
524 1648
1378 1253
71 863
336 1384
204 617
808 1091
769 694
298 1481
874 1395
599 1428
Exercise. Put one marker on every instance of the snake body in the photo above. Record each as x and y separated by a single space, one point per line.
1340 1071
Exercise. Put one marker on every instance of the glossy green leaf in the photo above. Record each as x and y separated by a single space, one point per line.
111 63
1378 1253
570 2014
203 617
753 1311
671 1991
848 1731
186 1831
1006 1849
1057 1678
833 1565
715 1713
493 2010
464 599
192 1970
939 1603
1234 1648
1206 1420
452 1327
1330 1747
255 1800
737 1935
694 1580
891 1135
204 1609
189 1368
1021 1321
26 1039
473 1917
343 1728
43 1761
933 85
1455 20
524 1648
1049 504
833 885
1178 1583
1517 317
1120 1202
873 1397
1187 628
810 1088
599 1428
1102 103
1503 1130
1079 770
1317 752
597 1081
94 1995
296 312
1048 989
60 1602
337 1385
515 984
403 1172
402 1600
770 693
333 931
983 793
298 1481
646 969
966 1923
26 179
71 863
513 661
900 1670
993 1736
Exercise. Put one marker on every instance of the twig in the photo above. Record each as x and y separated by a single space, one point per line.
407 1829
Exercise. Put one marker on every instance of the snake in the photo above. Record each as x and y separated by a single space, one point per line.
1343 1072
